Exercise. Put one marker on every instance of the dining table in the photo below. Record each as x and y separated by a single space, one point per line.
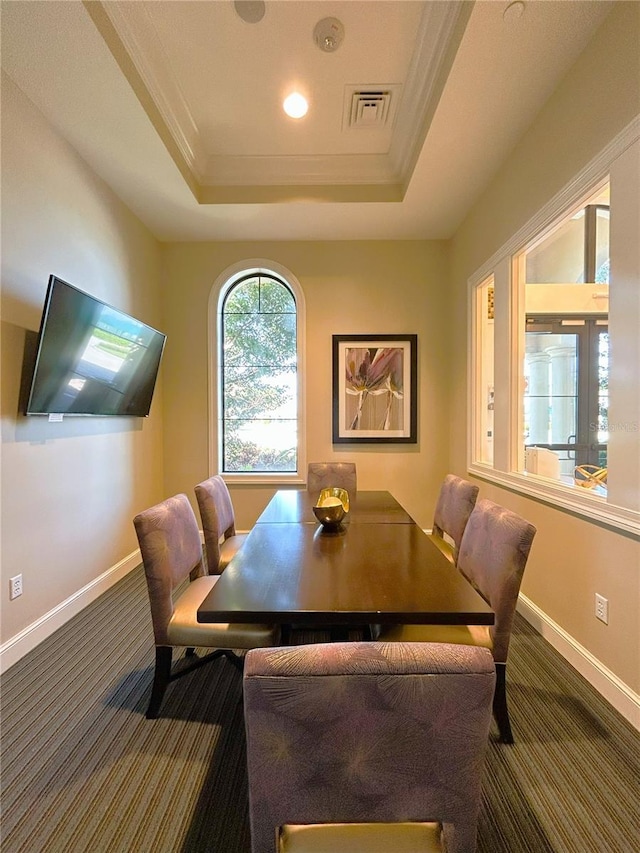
376 567
296 506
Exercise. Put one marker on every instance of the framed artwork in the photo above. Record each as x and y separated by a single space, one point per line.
375 388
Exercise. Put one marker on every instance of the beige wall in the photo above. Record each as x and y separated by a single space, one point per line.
69 490
349 288
571 558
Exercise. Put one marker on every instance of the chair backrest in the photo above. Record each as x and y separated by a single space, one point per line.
367 732
493 554
171 551
323 475
218 518
455 503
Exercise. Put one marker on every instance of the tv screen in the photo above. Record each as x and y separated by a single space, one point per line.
91 358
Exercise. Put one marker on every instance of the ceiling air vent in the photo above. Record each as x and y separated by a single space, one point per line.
370 108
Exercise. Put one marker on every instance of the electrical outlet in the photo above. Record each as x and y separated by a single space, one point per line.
15 587
602 609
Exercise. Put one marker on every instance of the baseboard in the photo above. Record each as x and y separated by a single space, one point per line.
27 639
612 688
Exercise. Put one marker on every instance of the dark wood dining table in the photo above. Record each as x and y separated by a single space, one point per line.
379 567
290 506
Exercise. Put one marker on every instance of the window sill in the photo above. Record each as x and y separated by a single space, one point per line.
268 478
581 502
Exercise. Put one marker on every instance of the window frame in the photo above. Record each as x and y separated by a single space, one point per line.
620 509
482 334
585 452
223 284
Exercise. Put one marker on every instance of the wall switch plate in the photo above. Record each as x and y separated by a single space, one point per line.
602 608
15 587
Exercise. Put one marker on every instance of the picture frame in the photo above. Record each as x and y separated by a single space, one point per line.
375 389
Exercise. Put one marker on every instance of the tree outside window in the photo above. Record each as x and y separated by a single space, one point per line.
259 416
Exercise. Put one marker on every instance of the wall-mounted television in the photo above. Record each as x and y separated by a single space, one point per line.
92 359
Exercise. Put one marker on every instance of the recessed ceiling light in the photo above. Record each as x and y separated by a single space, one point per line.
251 11
295 105
513 12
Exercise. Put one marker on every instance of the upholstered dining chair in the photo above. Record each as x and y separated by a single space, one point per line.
221 542
355 747
456 501
324 475
172 554
493 554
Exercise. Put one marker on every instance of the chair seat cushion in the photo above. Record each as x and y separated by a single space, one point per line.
229 548
185 630
360 838
461 635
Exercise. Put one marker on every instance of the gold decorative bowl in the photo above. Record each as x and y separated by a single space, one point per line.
332 506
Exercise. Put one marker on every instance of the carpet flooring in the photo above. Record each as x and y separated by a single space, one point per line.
83 770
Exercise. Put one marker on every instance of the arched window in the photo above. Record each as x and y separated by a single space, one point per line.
259 387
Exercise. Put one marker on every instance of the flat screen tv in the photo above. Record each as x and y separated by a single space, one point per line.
91 358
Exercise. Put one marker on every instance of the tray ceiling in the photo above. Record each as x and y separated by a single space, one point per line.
177 105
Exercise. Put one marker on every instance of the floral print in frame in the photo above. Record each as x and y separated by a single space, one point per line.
374 388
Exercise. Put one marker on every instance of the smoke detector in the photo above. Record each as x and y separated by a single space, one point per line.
328 34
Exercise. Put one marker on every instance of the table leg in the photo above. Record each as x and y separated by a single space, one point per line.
339 633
